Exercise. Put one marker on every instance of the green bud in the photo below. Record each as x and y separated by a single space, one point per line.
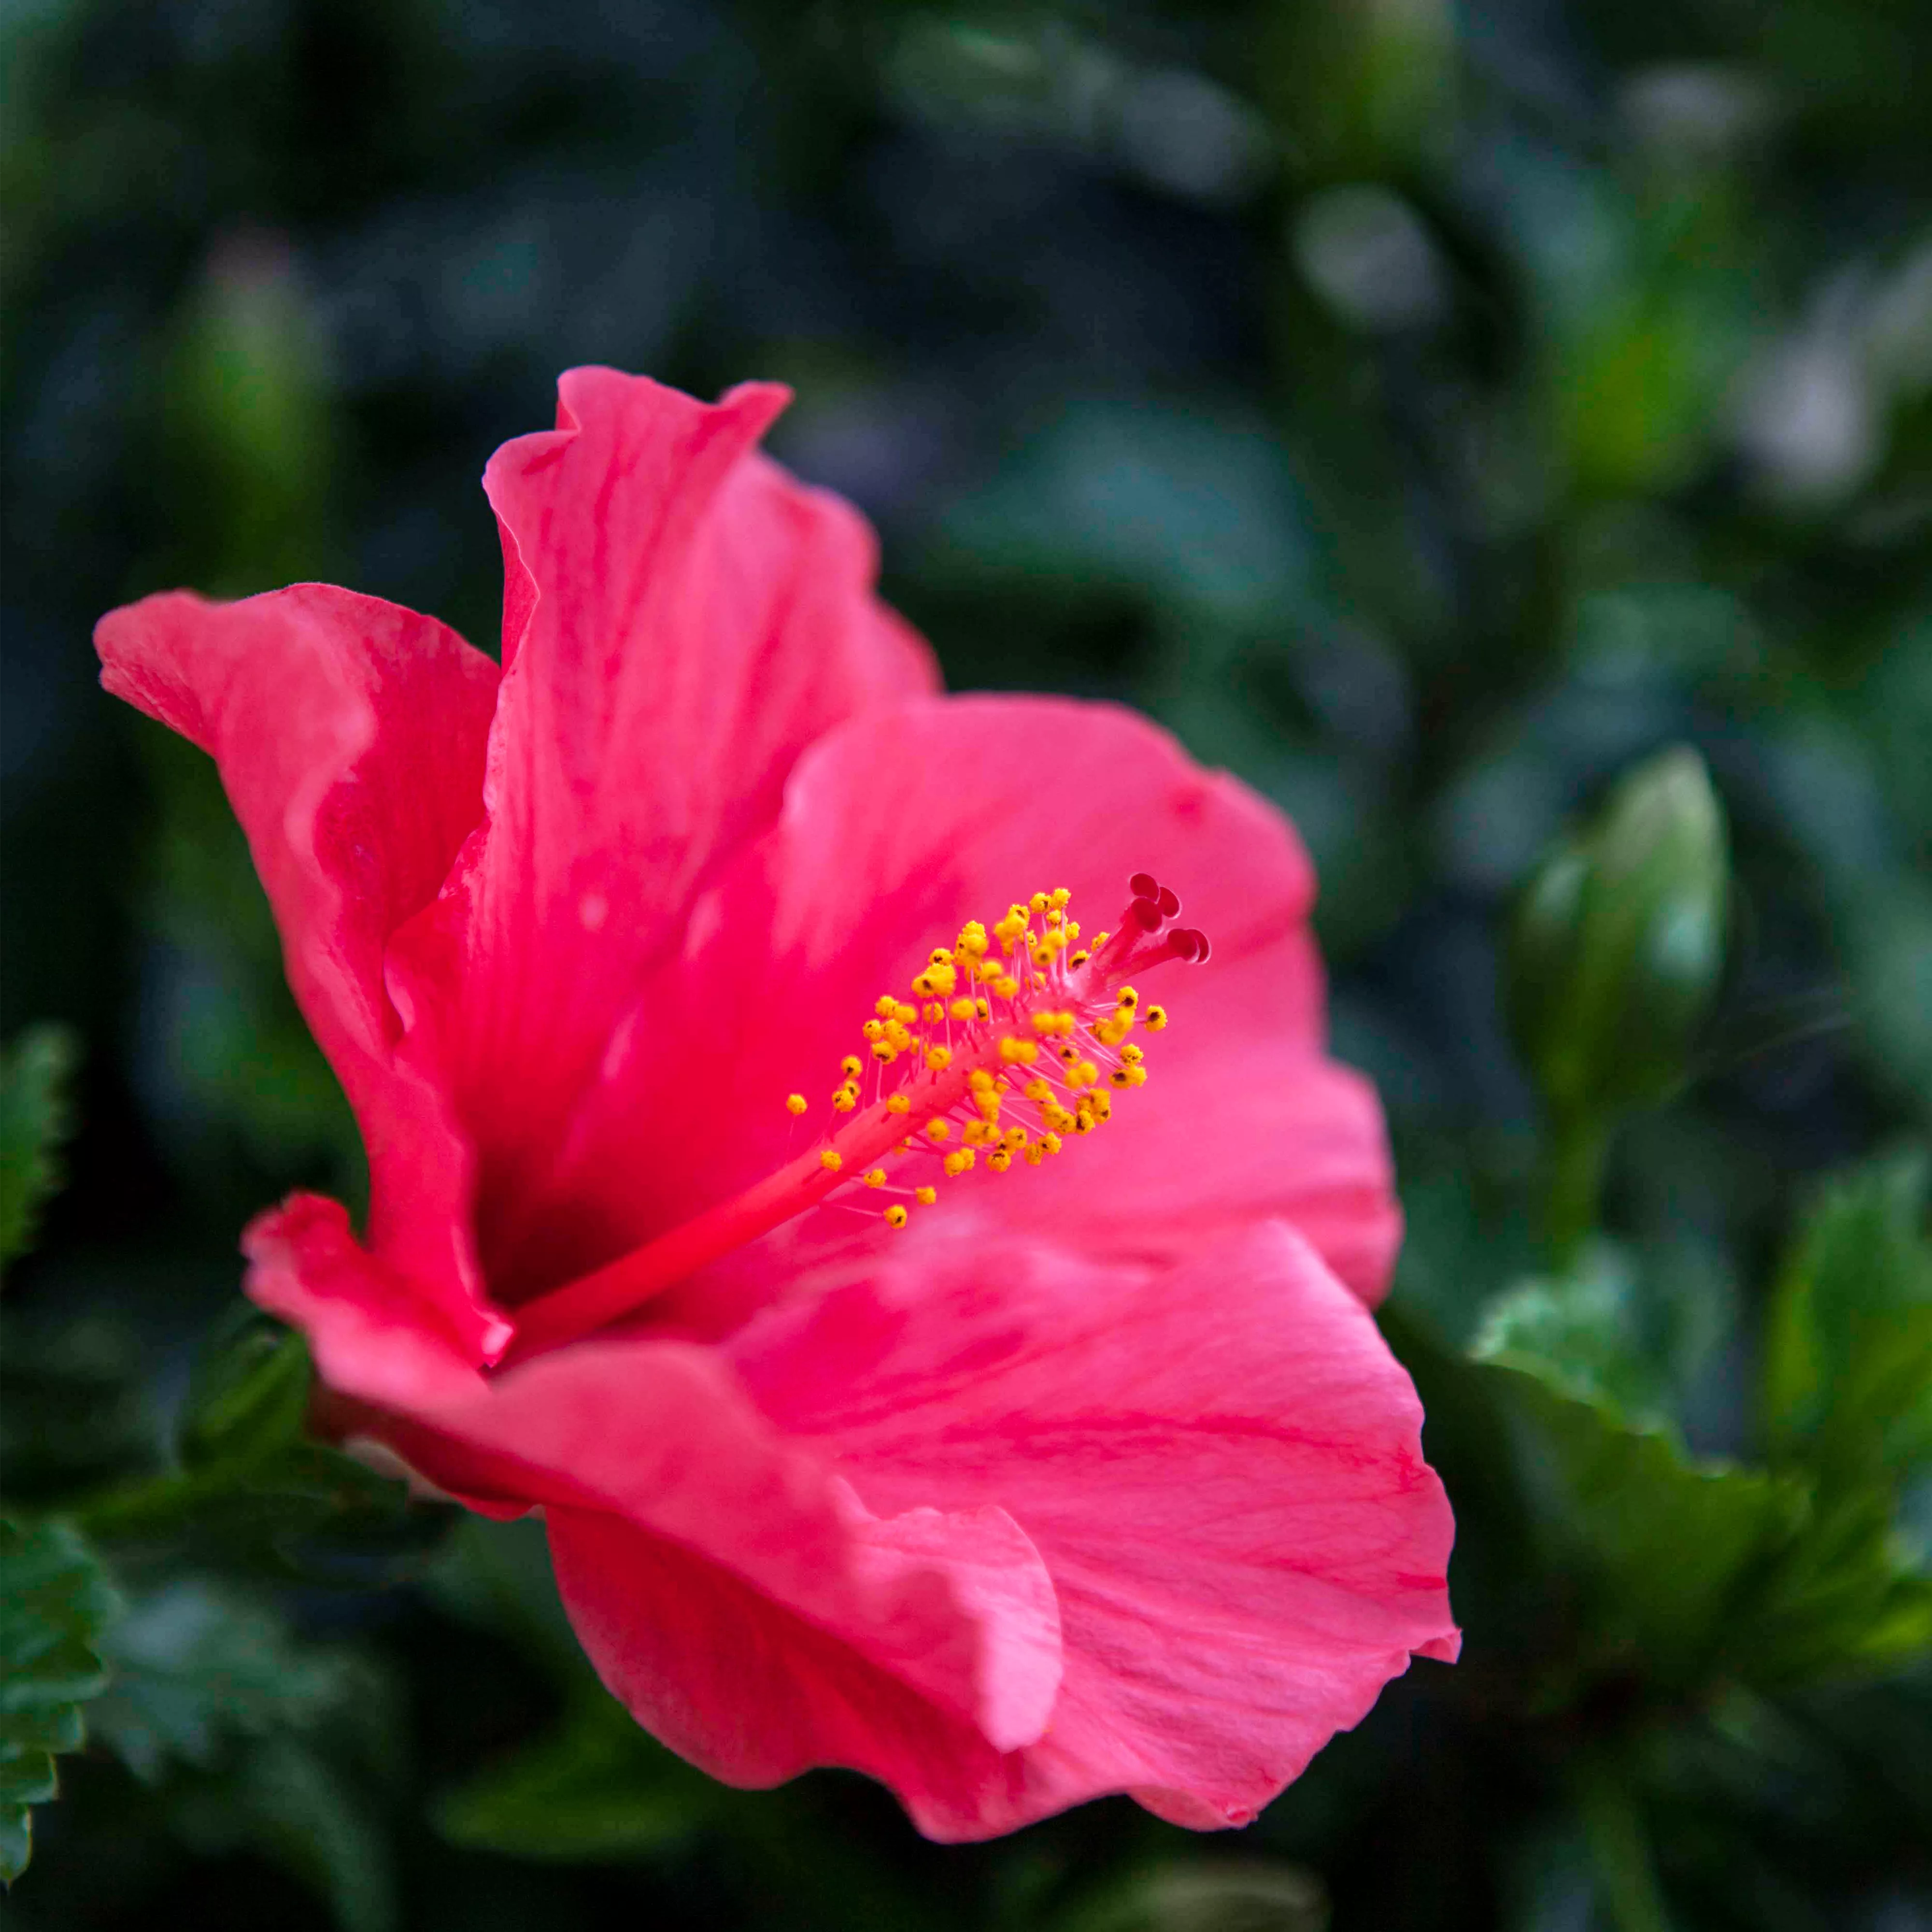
1617 945
249 1394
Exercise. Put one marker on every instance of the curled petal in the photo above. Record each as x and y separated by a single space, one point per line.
349 734
1220 1463
673 1504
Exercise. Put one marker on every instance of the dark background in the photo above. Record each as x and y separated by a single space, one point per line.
1425 411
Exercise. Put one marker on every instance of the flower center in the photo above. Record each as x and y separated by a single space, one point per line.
1009 1043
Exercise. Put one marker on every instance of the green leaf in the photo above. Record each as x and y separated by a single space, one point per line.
1844 1601
76 1408
55 1607
35 1117
301 1509
598 1787
1666 1552
1203 515
251 1736
1688 1572
198 1664
1583 1327
290 1801
1847 1384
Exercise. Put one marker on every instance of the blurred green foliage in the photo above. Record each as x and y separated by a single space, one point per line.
1472 425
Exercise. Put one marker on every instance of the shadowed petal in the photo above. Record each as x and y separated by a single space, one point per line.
672 1503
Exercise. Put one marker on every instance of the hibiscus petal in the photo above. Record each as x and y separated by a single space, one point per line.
349 734
680 1518
896 828
1220 1462
681 619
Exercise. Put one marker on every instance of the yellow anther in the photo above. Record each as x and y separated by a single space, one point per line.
972 939
851 1066
1033 1153
983 1009
1051 1142
1053 1023
873 1029
1102 1107
933 1013
963 1009
1080 959
885 1006
832 1160
1083 1074
923 985
999 1160
794 1103
1016 1052
979 1133
1073 928
989 1105
980 1081
844 1099
1133 1055
898 1103
1006 986
937 1129
1127 999
1113 1029
896 1215
1060 899
1100 939
940 956
899 1033
959 1160
926 1196
884 1052
1037 1090
938 1058
1136 1076
1038 903
875 1177
1013 1137
1156 1018
904 1014
1083 1122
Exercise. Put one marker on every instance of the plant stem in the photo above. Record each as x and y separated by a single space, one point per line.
1579 1146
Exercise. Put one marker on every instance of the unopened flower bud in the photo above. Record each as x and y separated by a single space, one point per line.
1617 943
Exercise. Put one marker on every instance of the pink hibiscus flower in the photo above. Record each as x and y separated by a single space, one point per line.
926 1360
